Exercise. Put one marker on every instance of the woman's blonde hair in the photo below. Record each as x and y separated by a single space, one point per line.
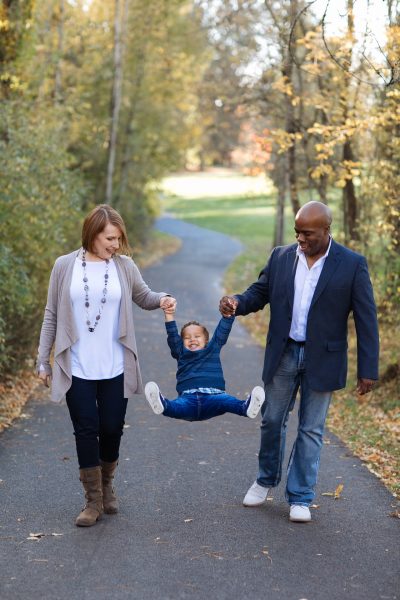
96 221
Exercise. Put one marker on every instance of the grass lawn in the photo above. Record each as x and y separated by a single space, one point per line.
243 207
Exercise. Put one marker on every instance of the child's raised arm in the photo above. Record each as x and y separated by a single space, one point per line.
173 338
223 330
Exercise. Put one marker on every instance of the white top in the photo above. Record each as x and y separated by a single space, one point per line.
305 283
97 354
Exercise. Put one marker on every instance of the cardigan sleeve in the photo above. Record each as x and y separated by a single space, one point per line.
142 295
49 325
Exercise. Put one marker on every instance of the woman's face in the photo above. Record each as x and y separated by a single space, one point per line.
106 243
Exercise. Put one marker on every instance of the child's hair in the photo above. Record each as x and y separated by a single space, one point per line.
205 331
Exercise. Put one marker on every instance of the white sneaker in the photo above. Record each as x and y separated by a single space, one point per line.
152 393
256 400
299 513
256 495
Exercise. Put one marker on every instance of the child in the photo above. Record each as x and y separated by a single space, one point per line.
200 380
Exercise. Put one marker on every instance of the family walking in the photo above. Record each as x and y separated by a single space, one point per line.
311 287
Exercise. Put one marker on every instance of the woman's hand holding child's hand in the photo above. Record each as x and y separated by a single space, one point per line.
168 304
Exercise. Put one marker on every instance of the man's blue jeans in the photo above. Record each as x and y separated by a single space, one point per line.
199 407
280 397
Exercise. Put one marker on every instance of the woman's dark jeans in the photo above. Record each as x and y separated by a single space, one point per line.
97 410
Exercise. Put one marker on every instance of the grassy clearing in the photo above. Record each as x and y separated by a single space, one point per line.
243 207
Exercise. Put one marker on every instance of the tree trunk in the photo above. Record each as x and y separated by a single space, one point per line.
323 188
60 50
129 131
280 214
350 208
350 212
290 119
120 7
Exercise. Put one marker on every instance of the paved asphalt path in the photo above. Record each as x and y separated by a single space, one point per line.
182 531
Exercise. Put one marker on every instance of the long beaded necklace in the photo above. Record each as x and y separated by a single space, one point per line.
103 300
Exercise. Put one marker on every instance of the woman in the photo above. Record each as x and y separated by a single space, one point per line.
89 320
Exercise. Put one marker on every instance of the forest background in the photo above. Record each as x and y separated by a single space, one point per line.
101 99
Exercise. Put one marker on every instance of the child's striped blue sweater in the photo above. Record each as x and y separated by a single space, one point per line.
199 368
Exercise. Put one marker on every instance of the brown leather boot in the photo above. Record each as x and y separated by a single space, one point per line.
110 501
91 481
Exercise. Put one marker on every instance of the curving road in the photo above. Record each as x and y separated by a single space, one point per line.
182 531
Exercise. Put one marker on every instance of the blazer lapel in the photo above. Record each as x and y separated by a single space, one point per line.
291 266
331 264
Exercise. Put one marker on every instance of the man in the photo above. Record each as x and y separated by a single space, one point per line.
311 287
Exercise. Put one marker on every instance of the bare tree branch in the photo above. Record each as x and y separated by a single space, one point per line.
392 80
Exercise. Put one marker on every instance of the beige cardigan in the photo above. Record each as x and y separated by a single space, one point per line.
59 329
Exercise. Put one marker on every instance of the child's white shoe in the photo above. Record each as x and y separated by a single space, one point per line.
152 393
257 398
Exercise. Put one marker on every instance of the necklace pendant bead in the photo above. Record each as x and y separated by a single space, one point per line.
91 328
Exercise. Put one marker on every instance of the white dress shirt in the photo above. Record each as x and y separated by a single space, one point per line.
305 282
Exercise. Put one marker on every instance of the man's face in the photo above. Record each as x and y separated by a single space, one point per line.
312 235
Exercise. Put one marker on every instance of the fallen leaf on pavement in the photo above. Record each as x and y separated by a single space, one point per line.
338 490
35 536
38 536
217 555
336 493
266 553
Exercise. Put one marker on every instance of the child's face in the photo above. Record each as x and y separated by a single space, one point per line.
193 338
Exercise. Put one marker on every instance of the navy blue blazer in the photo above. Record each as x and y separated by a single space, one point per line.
344 286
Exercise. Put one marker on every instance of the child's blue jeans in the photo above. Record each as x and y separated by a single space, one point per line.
199 407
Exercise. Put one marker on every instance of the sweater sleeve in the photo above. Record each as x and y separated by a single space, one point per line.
49 325
142 295
223 330
174 339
